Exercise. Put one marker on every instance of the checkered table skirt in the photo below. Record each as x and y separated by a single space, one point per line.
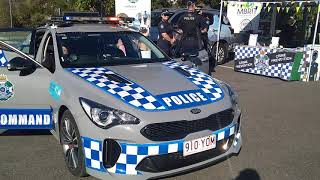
282 71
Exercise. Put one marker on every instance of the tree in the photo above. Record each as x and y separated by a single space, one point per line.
4 11
32 13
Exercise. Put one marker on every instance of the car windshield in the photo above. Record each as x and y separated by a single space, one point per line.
86 49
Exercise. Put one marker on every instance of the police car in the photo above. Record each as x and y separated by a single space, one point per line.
119 106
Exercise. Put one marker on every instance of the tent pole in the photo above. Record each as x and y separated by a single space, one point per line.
219 29
316 28
314 40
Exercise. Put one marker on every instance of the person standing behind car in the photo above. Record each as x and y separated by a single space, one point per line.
205 23
190 24
166 38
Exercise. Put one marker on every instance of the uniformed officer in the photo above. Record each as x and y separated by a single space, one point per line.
166 38
191 26
205 22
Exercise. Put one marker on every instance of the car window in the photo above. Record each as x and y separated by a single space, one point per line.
209 15
175 18
18 38
83 49
37 41
48 55
155 18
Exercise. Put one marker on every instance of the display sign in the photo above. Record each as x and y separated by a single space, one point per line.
244 16
244 64
281 57
140 10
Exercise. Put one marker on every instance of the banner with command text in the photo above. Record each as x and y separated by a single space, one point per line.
140 10
244 16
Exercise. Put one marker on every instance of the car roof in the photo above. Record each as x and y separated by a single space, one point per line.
169 9
203 9
91 28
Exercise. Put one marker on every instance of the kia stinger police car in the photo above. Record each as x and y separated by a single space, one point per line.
117 104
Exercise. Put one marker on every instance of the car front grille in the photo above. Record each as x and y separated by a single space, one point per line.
169 131
167 162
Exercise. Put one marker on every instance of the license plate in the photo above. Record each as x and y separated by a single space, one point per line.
199 145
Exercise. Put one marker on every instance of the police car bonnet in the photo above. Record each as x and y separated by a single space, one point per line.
135 95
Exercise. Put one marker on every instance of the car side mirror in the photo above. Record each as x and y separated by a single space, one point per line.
20 64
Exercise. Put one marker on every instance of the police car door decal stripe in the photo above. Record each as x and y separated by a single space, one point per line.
202 80
3 60
132 93
26 119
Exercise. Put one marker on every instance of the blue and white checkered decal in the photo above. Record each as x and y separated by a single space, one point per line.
202 80
129 93
3 60
132 154
93 154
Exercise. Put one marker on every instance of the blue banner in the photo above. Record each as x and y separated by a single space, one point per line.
26 119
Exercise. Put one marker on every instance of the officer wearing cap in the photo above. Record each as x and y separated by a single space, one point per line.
166 38
191 26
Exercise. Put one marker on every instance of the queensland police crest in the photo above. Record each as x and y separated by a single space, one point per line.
6 88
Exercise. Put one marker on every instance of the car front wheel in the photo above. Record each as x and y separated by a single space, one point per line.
72 145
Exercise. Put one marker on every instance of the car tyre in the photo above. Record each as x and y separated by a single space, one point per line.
222 53
72 145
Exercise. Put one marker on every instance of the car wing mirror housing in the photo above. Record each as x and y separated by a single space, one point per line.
20 64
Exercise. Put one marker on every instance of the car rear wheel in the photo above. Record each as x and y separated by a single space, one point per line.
72 145
222 53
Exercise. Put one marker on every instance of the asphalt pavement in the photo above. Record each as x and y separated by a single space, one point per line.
280 133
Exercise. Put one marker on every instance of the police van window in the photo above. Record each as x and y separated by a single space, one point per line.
77 49
48 55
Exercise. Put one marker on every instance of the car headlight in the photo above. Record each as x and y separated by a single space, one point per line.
106 117
232 93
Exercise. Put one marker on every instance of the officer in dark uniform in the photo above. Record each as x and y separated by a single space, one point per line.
191 26
166 38
205 22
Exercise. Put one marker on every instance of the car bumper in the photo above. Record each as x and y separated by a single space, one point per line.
147 161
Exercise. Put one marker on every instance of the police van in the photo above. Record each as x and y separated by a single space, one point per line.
117 104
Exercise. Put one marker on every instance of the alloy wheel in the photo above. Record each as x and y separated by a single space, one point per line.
70 143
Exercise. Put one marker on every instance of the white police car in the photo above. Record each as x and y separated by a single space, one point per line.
118 105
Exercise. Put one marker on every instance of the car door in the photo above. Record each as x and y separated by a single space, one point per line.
24 97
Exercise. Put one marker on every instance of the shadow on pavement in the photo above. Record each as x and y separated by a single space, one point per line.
33 132
248 174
